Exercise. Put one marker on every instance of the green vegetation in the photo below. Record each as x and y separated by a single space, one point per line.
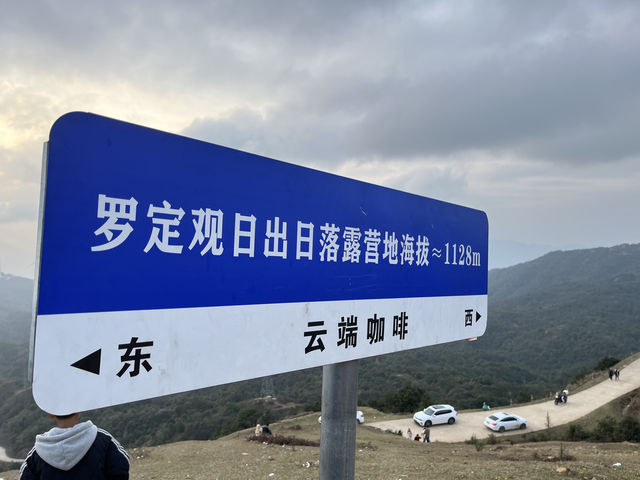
608 429
606 363
406 400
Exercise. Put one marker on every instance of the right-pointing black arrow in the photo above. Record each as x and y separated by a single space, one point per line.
90 363
478 316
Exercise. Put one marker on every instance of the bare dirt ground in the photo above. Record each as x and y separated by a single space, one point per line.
383 456
380 456
577 406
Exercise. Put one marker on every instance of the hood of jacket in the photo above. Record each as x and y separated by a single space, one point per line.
63 448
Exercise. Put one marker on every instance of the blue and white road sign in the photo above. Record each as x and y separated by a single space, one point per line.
169 264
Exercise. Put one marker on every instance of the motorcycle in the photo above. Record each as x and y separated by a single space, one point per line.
561 398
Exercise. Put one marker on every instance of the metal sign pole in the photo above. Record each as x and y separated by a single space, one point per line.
338 438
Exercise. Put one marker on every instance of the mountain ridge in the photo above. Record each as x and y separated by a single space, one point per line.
568 266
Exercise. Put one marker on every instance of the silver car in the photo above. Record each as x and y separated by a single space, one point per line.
501 421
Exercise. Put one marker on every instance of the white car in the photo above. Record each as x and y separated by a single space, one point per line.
359 417
435 414
501 421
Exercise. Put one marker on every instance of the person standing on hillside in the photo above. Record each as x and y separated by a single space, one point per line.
426 431
74 450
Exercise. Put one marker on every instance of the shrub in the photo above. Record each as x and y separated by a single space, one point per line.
247 417
475 442
579 377
407 399
576 433
282 440
629 429
605 363
605 431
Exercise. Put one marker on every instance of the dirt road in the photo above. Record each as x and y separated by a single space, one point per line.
578 405
5 458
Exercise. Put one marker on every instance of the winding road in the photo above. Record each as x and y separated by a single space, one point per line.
578 405
5 458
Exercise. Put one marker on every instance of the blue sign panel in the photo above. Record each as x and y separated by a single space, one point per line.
138 219
162 258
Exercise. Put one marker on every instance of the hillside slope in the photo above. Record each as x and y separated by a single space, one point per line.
548 320
379 455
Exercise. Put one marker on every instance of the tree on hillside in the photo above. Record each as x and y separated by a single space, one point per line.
407 399
605 363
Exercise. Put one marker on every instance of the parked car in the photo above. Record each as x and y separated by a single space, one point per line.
359 417
435 414
501 421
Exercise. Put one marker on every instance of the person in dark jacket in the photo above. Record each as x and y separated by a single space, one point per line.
75 450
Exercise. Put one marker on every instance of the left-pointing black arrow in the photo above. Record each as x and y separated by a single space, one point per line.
90 363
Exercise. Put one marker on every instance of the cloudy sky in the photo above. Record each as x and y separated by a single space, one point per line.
529 111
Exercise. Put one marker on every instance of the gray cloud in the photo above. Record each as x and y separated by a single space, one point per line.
557 82
16 211
490 104
548 83
19 185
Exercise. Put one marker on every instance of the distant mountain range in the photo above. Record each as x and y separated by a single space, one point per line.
596 265
549 319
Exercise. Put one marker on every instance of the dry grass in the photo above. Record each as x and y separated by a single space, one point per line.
379 455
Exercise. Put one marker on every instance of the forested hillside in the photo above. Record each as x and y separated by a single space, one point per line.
15 316
549 319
